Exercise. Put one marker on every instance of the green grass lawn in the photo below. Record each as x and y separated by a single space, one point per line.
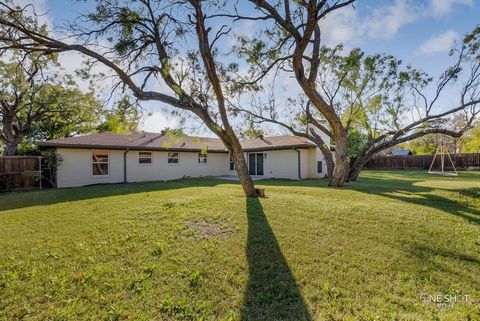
190 250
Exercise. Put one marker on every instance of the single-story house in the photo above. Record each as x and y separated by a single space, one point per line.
115 158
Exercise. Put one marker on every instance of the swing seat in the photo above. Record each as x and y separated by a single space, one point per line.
443 173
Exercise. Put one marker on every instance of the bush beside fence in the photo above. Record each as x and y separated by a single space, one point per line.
461 161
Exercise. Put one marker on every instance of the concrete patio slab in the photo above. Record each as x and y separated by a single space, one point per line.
235 178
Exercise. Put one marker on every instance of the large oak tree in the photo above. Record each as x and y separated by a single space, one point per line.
381 104
290 41
177 43
37 102
344 94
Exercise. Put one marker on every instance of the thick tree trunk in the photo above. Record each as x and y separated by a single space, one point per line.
354 171
357 166
342 163
228 135
330 165
340 174
9 137
327 153
10 148
353 174
242 171
11 142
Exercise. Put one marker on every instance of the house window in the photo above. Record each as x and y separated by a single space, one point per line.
202 158
100 163
232 164
173 158
319 167
144 157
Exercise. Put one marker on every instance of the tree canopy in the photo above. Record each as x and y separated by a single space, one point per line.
37 102
123 118
165 51
363 103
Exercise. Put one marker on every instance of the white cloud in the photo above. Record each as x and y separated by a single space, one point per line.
439 43
345 25
157 121
340 26
386 22
440 8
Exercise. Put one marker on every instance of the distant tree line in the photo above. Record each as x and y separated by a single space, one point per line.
467 143
38 102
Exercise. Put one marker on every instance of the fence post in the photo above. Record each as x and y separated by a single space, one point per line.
40 171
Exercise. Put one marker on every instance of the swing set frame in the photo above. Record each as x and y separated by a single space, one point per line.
441 152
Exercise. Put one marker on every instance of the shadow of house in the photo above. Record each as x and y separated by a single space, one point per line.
16 200
272 292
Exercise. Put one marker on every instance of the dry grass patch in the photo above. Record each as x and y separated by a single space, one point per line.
207 229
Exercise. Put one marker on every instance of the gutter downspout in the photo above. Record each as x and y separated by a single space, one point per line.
125 165
299 166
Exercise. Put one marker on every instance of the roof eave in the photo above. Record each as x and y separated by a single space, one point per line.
120 147
285 147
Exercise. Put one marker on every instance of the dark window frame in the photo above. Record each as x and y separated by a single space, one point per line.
173 158
202 158
144 159
99 163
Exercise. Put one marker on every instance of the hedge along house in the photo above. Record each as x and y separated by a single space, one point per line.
118 158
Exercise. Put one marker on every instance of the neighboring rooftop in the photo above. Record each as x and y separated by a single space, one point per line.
161 141
401 152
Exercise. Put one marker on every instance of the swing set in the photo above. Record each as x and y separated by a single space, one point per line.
441 152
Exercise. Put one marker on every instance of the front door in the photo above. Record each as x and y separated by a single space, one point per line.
255 163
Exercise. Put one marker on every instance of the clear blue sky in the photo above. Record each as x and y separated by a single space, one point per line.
418 32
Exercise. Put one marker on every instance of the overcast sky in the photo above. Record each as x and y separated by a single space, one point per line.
418 32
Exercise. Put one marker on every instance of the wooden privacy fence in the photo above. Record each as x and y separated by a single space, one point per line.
461 161
20 172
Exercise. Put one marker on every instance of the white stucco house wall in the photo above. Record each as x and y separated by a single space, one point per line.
118 158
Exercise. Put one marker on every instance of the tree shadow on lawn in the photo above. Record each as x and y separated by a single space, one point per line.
17 200
403 189
432 255
436 259
407 191
272 292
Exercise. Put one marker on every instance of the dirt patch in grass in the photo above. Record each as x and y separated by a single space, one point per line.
207 229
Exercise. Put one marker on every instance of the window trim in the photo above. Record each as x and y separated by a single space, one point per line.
230 163
145 164
171 157
100 152
203 156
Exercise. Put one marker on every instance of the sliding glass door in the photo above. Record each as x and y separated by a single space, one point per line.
255 163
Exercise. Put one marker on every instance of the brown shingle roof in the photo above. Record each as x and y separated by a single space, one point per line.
154 141
276 142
